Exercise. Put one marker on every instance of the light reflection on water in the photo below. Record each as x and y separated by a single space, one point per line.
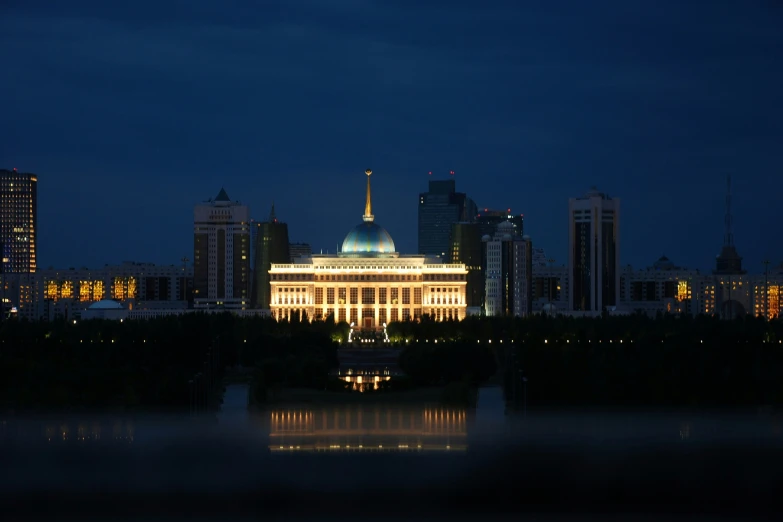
373 429
354 427
357 428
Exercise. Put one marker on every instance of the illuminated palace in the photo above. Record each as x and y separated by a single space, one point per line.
368 283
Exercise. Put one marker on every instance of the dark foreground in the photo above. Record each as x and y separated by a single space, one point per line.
549 469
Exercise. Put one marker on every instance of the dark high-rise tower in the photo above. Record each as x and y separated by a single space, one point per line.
18 221
439 208
467 248
271 247
594 252
728 261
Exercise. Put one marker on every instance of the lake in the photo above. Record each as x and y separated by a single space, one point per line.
352 460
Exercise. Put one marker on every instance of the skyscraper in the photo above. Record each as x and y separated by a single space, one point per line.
468 249
509 275
18 221
439 208
594 251
271 247
221 253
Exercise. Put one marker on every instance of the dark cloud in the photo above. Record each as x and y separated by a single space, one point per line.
130 112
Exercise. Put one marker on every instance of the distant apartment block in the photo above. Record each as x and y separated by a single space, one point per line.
64 293
221 253
18 222
550 286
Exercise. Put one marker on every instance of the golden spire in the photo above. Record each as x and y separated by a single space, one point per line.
368 217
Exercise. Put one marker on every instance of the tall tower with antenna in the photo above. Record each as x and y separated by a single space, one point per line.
728 262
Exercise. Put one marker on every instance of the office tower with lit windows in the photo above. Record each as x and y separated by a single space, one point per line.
439 208
509 274
271 247
18 221
594 252
221 253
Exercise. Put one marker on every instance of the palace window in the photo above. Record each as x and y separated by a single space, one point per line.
395 296
382 316
368 312
354 315
406 296
341 295
368 295
330 296
354 296
341 315
382 296
395 315
417 296
319 296
406 314
417 314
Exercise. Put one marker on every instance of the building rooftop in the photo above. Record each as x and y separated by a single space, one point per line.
106 304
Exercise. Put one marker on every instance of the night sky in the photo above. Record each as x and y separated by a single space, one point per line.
130 112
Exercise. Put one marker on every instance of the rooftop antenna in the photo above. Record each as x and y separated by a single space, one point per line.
728 236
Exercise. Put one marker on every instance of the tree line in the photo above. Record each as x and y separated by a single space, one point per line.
619 361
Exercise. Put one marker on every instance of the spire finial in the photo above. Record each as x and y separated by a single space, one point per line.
368 217
728 237
272 216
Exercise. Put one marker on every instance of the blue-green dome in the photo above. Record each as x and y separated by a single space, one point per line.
368 238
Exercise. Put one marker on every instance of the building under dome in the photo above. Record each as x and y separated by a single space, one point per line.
105 309
368 239
368 283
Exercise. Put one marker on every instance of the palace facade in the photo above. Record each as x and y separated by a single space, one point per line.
368 283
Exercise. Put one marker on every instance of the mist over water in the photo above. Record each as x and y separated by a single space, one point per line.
300 460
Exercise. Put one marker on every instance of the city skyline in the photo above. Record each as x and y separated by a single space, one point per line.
137 117
104 258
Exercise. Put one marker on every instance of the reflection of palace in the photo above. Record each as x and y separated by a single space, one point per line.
380 428
368 283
